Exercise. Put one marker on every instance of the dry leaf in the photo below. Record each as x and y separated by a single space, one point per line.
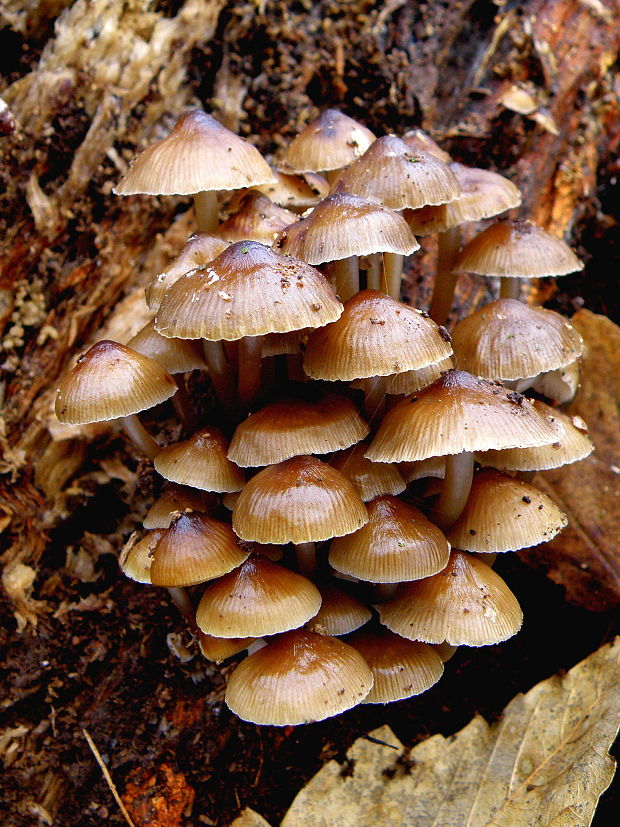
585 557
545 764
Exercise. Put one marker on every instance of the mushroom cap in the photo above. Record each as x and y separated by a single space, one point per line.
393 174
401 668
504 514
258 598
136 556
397 543
248 290
465 604
198 155
300 500
375 336
457 413
312 423
483 195
410 381
572 446
110 381
509 339
434 467
218 649
370 479
257 219
298 678
340 612
559 385
176 498
344 225
199 250
418 139
517 248
174 355
201 461
280 344
195 548
294 192
331 141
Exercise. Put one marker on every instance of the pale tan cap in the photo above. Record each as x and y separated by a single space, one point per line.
199 155
201 462
174 355
298 678
508 339
505 514
375 336
110 381
257 219
370 479
340 612
312 423
248 290
467 604
300 500
331 141
344 225
519 249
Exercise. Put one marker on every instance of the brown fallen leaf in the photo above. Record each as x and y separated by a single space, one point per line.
585 557
544 764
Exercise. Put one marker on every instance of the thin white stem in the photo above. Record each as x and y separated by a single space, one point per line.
392 274
448 244
220 373
207 211
455 489
374 271
346 273
140 437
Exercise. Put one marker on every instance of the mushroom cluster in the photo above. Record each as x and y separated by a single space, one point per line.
343 488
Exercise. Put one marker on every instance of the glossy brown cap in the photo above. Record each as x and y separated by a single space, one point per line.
573 445
370 479
340 612
198 155
504 514
137 555
375 336
484 194
218 649
259 598
174 355
393 174
257 219
509 339
401 668
300 500
199 250
466 604
248 290
397 543
318 424
457 413
517 248
298 678
344 225
201 462
195 548
176 498
331 141
110 381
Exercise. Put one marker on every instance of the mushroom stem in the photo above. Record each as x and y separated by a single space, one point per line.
374 397
392 274
257 644
346 274
445 650
510 288
373 273
249 379
140 437
207 211
455 489
181 600
448 245
306 558
183 406
219 371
